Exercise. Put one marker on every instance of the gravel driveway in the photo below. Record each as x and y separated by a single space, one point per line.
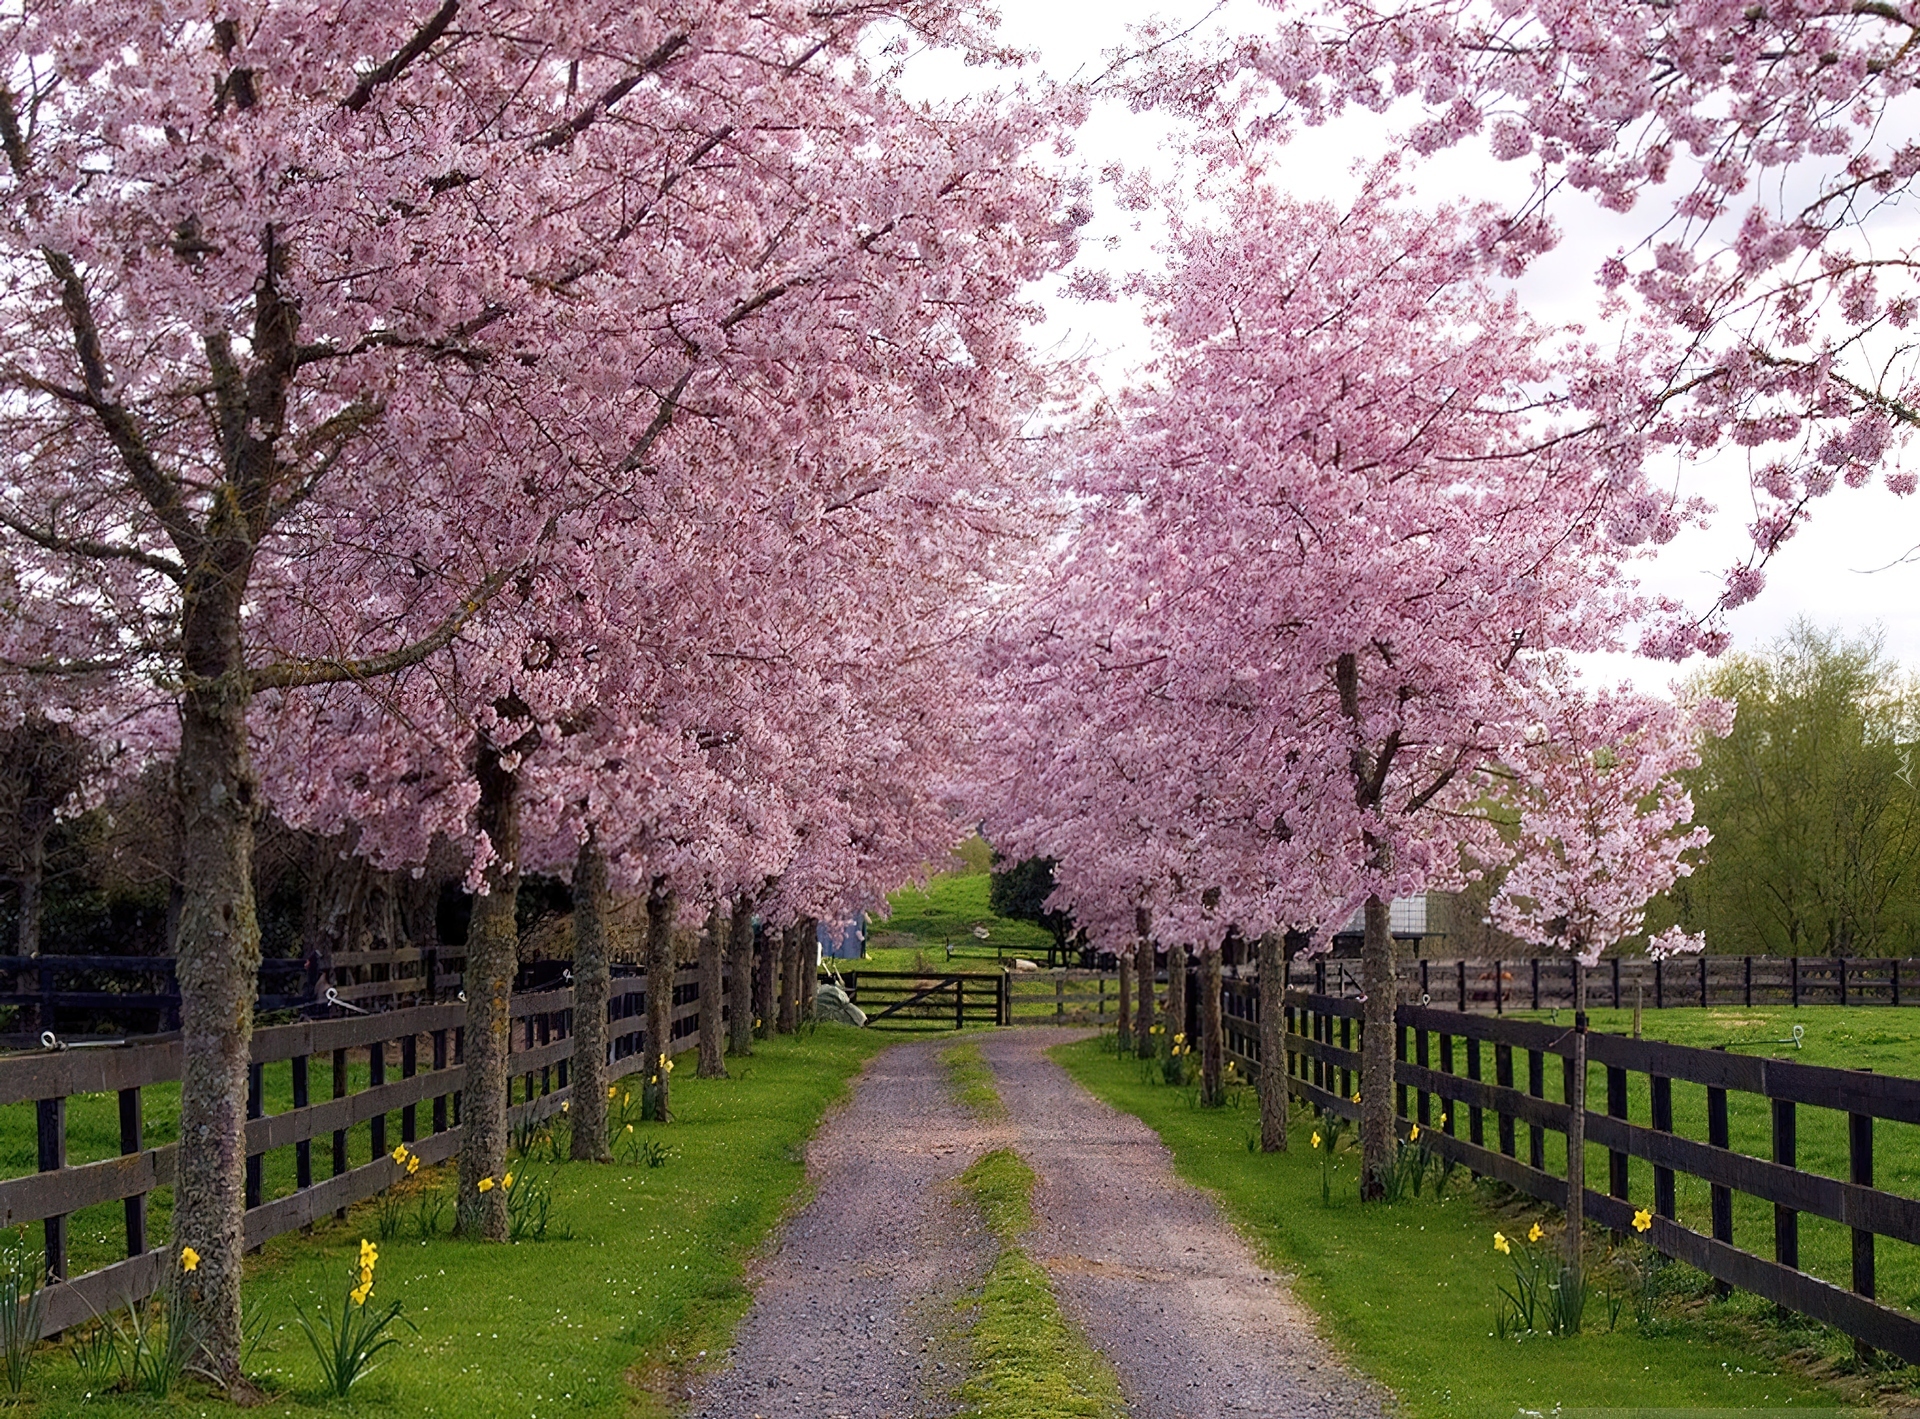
854 1313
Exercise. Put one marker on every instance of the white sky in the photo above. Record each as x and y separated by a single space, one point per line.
1830 572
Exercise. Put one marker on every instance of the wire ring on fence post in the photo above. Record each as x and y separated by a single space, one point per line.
333 998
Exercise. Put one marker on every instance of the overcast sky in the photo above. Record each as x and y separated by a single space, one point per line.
1845 569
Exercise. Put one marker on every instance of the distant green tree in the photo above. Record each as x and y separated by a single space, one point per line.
1812 801
1020 892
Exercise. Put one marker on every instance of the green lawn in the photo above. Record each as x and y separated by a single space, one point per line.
1409 1291
944 915
649 1282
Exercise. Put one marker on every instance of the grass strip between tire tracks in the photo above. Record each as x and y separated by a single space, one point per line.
1029 1361
970 1081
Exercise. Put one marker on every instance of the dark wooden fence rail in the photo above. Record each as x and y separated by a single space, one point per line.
140 993
1546 983
414 1068
1478 1089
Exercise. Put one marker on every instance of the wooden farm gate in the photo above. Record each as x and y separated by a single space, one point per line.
392 1076
1478 1089
911 1000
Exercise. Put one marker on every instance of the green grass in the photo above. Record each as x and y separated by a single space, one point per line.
946 913
1408 1292
1028 1361
649 1284
970 1081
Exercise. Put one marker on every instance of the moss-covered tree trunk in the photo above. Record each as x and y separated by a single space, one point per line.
587 1078
740 979
1274 1100
789 979
1177 997
1124 960
1143 981
493 955
660 973
713 951
807 966
217 957
1377 1051
1213 1043
766 983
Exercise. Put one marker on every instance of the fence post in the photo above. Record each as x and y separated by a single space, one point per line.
133 1140
1860 1173
1462 971
1537 1086
256 1106
1720 1198
1400 1056
1659 985
376 1076
1660 1089
1574 1091
1616 982
1059 997
1426 992
1896 980
1346 1042
959 1003
1749 960
1842 960
1503 1076
1498 1005
1423 1103
303 1150
1536 982
1786 1221
1616 1160
1703 980
340 1134
50 1116
439 1063
409 1066
1793 975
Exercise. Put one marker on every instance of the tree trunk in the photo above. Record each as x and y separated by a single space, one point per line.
789 979
1213 1045
587 1093
1377 1051
493 954
713 947
1143 978
766 983
1177 996
740 998
1274 1099
217 961
660 974
1577 1122
807 965
1125 961
31 882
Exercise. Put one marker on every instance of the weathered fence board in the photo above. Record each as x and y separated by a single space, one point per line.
1315 1065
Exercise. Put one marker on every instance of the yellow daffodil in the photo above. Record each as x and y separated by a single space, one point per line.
413 1164
1534 1233
399 1154
1642 1220
507 1181
629 1128
1415 1134
189 1259
1442 1120
611 1091
629 1098
666 1066
369 1254
1316 1141
1502 1245
1356 1098
486 1184
565 1104
361 1292
1180 1038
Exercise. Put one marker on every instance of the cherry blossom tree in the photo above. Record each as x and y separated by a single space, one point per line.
1772 274
282 270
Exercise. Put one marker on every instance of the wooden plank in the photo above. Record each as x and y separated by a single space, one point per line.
36 1196
298 1209
283 1130
277 1042
1478 1093
51 1074
1863 1207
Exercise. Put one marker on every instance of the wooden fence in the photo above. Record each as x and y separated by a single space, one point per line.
1546 983
405 1063
140 994
1477 1088
1068 997
910 1000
